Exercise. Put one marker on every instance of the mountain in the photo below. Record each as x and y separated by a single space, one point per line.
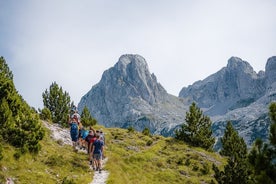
238 94
234 86
129 95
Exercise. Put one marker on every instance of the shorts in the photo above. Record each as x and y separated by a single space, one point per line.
97 156
74 137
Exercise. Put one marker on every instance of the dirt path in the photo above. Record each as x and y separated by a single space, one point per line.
100 178
62 134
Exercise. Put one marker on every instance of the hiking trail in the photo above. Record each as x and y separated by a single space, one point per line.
63 135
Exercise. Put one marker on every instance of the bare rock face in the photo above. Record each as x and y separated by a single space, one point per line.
128 95
234 86
238 94
270 71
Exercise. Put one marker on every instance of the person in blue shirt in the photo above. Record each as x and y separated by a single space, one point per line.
97 151
74 132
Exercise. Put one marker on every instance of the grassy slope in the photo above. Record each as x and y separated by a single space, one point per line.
53 163
133 158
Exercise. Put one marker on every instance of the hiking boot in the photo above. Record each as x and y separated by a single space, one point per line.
90 162
100 170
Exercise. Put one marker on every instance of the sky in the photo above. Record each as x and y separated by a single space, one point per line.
72 42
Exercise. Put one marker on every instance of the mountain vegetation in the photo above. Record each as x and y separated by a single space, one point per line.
237 169
263 155
132 158
139 158
19 123
54 163
258 166
58 103
86 118
196 130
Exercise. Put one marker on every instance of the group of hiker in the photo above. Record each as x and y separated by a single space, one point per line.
91 140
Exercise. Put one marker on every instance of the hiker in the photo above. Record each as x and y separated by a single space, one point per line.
102 138
79 135
84 133
102 135
74 116
74 112
97 151
78 116
88 139
92 161
74 131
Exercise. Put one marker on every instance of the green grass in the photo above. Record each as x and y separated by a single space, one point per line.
165 160
132 158
53 164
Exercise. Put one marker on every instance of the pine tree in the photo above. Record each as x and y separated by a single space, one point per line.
86 118
197 129
263 155
228 141
236 170
272 114
58 102
19 123
272 138
45 114
260 158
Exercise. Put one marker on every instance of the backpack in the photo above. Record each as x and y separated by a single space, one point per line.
74 128
84 133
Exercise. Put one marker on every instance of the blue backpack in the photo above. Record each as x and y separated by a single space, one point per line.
74 128
84 133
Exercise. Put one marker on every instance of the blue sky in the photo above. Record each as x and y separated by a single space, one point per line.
74 42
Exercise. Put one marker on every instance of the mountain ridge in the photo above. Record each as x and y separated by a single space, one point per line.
243 97
129 95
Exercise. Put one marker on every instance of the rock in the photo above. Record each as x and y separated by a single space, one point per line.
238 94
58 133
9 181
234 86
270 71
128 95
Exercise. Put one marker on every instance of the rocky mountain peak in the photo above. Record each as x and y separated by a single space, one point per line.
238 94
271 62
239 65
270 71
134 59
134 69
234 62
129 95
234 86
